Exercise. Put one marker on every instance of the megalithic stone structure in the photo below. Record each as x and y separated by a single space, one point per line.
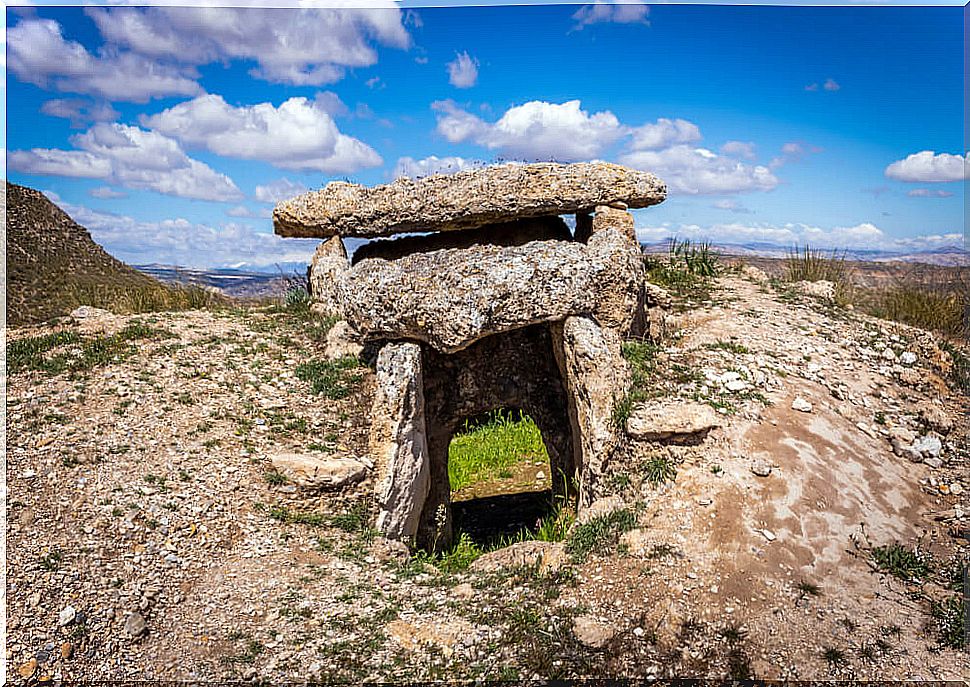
498 305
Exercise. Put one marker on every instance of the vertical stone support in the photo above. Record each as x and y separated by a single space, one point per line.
328 269
622 301
398 440
596 377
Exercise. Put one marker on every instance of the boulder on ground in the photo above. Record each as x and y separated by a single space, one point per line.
464 200
548 556
317 472
671 421
592 632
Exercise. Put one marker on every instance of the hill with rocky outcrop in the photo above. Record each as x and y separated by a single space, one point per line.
50 256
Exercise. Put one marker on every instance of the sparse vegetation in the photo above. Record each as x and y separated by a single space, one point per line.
930 300
334 379
72 352
687 269
950 616
143 298
485 450
809 264
900 562
660 469
599 533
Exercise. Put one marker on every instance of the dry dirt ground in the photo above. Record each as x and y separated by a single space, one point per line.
147 537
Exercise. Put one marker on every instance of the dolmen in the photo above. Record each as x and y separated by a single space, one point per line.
489 301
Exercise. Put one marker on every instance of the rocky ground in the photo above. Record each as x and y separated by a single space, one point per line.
150 537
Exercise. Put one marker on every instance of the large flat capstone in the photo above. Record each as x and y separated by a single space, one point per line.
464 200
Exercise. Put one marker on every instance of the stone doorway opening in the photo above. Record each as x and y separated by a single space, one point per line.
515 372
500 476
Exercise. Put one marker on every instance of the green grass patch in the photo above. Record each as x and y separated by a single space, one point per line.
660 469
334 379
900 562
69 352
599 534
481 452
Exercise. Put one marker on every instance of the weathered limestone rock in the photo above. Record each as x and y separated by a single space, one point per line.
650 320
592 632
620 288
596 377
514 233
397 440
452 298
548 556
821 289
327 271
318 472
342 341
600 508
464 200
671 422
607 217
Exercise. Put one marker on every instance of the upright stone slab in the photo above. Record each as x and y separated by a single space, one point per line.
327 271
398 440
464 200
596 377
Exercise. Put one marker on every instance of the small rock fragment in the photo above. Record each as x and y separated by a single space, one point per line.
801 405
592 632
28 668
66 616
761 468
67 650
907 358
135 625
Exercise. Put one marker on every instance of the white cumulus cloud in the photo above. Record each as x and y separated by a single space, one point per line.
79 111
928 166
131 157
608 11
409 167
279 190
535 130
665 132
299 134
39 54
739 149
303 47
695 171
463 71
177 241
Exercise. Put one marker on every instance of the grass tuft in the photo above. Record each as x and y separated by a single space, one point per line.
809 264
660 469
599 533
900 562
332 378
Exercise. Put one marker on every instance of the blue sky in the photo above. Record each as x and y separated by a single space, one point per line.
170 132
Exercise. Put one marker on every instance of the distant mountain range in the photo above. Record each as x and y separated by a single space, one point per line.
950 256
232 282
